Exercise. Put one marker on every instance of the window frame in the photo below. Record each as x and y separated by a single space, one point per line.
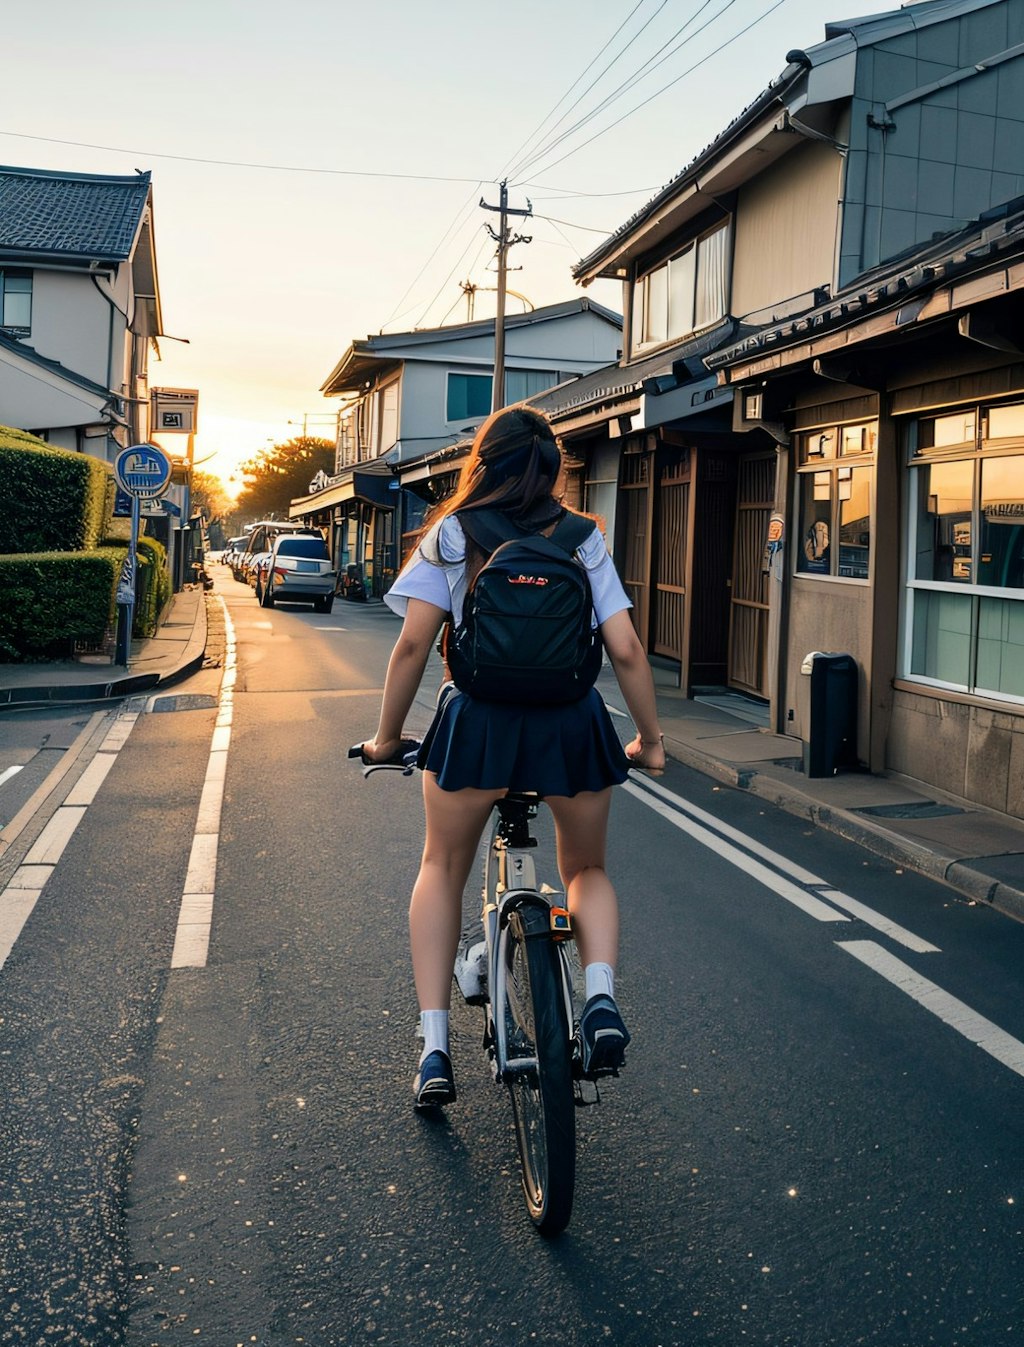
467 374
640 307
976 450
16 274
826 452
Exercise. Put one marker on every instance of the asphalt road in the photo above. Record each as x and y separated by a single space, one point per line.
807 1147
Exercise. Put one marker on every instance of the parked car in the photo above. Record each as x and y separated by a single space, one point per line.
260 539
298 568
233 551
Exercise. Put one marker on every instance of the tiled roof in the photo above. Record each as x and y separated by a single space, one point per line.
685 360
71 215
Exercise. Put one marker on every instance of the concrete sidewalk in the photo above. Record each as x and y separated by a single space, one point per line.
978 852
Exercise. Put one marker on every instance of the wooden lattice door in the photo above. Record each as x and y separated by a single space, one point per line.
636 496
673 506
748 616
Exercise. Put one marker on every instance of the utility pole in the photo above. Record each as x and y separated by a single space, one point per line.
504 240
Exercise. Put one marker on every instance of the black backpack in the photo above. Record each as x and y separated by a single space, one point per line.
526 633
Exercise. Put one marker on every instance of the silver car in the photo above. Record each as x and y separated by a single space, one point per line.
298 568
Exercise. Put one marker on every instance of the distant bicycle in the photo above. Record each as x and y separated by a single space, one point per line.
518 964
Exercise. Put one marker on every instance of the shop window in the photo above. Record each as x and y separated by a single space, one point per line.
964 609
834 481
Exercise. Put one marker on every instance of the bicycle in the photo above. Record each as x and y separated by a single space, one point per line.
516 965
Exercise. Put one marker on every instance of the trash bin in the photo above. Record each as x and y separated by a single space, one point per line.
830 722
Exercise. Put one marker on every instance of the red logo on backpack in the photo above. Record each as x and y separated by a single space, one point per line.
527 579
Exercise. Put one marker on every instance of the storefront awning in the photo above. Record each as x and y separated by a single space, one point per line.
679 404
371 485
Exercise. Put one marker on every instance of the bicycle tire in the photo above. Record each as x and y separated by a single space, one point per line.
542 1099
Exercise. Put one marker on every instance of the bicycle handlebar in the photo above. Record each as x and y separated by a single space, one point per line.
402 760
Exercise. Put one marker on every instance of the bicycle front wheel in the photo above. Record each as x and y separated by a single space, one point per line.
540 1070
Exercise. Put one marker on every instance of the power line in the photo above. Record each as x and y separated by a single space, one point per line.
525 158
664 89
648 68
456 224
237 163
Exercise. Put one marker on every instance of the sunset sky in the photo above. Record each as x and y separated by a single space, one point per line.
317 166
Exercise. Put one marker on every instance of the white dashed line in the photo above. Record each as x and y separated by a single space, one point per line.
195 917
22 893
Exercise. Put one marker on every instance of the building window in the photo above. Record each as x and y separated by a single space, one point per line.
964 611
835 472
16 301
469 397
388 417
685 294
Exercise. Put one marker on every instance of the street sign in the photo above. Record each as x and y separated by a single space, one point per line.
143 470
175 411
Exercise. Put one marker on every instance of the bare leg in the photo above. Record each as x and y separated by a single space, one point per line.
581 828
455 822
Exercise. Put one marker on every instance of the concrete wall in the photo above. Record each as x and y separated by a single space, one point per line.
786 221
975 752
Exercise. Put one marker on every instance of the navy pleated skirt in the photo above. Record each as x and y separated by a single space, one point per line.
553 750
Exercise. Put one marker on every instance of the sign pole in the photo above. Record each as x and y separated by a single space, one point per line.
126 588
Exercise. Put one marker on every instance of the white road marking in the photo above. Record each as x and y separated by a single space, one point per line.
822 888
771 879
974 1027
19 898
85 788
195 916
13 771
49 846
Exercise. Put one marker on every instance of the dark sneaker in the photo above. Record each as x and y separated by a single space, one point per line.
434 1084
602 1038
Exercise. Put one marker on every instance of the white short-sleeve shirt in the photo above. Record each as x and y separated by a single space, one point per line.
443 582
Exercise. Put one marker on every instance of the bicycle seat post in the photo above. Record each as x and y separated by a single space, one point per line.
514 815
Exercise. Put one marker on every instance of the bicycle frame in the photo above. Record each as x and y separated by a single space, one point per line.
510 884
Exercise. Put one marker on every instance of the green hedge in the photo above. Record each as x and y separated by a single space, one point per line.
49 600
153 588
50 499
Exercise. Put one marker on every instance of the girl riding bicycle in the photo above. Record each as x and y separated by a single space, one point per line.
476 751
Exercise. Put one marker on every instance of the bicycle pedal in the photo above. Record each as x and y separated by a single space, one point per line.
580 1099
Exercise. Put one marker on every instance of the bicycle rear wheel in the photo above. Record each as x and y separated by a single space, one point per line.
541 1093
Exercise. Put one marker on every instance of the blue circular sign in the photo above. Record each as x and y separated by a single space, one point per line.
143 470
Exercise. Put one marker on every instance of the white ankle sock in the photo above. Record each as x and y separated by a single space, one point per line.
434 1031
600 980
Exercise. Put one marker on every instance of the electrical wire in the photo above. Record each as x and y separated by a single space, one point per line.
664 89
455 225
237 163
648 68
597 78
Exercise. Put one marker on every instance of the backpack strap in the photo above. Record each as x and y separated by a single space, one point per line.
488 529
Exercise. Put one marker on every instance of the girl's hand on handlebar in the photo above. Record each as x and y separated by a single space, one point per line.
381 750
648 754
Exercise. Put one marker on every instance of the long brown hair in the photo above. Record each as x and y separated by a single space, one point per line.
513 465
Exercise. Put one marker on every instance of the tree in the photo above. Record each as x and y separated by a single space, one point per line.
280 473
209 497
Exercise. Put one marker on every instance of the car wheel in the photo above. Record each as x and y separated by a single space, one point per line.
324 605
267 598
